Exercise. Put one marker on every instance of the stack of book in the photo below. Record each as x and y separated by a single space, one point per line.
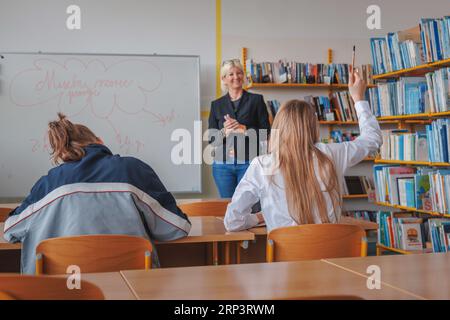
401 145
357 185
439 234
338 136
421 188
305 73
402 97
272 107
435 34
362 215
440 190
428 42
339 108
324 109
395 185
439 90
438 135
343 106
401 230
396 51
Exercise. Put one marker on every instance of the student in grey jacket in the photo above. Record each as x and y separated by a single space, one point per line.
92 192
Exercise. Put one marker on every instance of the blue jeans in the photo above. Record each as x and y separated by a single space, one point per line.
227 177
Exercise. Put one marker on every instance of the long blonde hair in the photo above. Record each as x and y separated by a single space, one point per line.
297 133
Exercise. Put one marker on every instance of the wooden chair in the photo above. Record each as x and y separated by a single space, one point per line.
316 241
93 253
6 296
4 212
24 287
215 208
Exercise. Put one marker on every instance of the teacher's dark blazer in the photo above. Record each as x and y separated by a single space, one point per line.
251 112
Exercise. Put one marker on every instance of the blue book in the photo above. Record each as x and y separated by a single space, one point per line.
437 41
410 196
444 143
430 139
401 147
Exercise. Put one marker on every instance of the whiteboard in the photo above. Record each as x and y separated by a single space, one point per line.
133 102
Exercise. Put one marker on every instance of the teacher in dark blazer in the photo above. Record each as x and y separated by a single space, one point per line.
242 127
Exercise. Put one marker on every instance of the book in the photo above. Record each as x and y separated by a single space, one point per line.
411 234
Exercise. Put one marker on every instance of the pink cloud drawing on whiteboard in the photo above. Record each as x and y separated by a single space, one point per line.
76 85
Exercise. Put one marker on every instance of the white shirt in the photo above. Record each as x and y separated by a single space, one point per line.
257 183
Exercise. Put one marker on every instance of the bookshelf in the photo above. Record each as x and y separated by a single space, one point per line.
381 248
408 121
414 163
314 86
396 206
415 71
302 85
355 196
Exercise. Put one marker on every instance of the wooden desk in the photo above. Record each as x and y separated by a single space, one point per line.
280 280
366 225
203 230
425 275
211 230
9 205
4 245
112 284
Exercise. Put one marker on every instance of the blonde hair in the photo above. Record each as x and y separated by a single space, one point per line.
68 139
226 67
296 150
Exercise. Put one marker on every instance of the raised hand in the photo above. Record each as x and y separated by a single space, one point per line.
356 85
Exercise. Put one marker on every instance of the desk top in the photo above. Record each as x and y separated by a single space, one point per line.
204 229
366 225
112 284
425 275
211 229
279 280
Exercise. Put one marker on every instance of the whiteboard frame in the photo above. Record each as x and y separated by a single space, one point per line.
200 191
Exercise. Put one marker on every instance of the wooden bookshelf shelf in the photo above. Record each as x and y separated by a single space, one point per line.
354 196
414 163
381 247
301 85
431 213
415 116
338 122
415 71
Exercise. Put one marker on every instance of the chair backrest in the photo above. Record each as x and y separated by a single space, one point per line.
316 241
4 212
93 253
25 287
215 208
6 296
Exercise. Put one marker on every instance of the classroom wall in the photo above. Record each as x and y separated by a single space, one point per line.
293 29
118 26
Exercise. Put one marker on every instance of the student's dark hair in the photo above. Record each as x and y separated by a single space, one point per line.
68 139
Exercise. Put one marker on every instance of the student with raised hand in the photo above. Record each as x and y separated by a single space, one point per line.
92 192
300 181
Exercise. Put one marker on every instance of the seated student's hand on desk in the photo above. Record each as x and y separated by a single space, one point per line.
260 217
